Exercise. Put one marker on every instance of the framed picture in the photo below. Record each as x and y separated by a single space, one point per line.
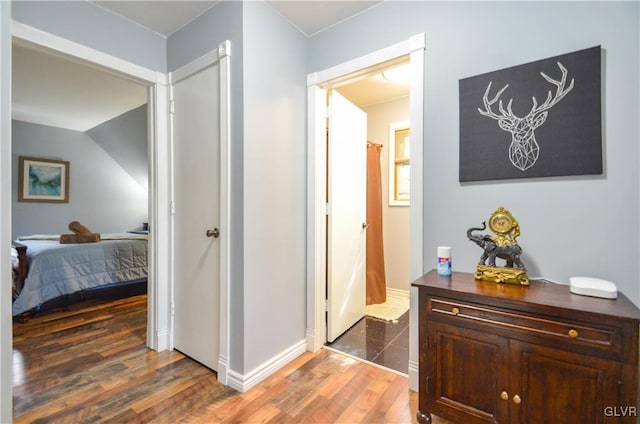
538 119
43 180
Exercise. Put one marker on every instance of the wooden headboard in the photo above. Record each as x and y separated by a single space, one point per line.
21 270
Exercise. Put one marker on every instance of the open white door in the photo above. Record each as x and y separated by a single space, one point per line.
196 181
346 232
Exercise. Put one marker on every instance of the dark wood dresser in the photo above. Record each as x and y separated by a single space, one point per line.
503 353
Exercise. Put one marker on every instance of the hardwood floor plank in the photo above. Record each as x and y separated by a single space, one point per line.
88 363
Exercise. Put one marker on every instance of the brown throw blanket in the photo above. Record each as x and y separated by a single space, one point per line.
81 234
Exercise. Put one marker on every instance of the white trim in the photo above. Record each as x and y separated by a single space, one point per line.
53 42
6 348
158 306
316 228
225 210
316 177
221 56
397 293
158 320
244 382
400 49
416 208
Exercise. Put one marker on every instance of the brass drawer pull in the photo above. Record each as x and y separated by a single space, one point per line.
455 311
516 399
573 333
504 395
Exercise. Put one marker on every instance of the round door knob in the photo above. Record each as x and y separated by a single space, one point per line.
215 233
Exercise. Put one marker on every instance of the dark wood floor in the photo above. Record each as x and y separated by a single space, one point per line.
89 363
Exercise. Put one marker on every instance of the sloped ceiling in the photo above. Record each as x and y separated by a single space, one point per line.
53 90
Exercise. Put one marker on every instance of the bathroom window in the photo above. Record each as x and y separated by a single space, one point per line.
399 164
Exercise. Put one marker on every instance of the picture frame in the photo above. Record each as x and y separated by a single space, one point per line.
43 180
538 119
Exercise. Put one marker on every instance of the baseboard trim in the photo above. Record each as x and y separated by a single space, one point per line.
244 382
414 376
162 340
397 293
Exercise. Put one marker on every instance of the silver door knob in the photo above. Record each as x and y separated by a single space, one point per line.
215 233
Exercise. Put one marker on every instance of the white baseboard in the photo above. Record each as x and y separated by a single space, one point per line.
162 340
223 370
244 382
314 344
414 376
391 292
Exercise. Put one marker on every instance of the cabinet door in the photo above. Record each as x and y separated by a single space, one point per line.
556 386
467 372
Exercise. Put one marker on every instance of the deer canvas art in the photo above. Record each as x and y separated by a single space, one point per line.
544 121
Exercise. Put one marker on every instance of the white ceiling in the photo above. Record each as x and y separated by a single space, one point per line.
52 90
168 16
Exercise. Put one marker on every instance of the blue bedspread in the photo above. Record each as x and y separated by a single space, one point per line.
57 269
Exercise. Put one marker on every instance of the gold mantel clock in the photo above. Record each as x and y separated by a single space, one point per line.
504 246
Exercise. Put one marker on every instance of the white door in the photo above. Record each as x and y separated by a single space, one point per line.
347 182
196 167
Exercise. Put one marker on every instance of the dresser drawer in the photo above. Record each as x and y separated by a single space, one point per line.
566 331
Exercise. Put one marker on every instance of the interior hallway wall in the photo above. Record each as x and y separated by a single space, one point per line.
560 218
395 219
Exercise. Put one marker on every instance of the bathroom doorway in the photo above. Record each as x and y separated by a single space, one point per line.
318 84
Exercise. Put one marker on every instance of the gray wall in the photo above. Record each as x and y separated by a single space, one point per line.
561 218
224 22
102 195
95 27
274 184
125 139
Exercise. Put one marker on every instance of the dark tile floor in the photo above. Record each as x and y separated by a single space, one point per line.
384 343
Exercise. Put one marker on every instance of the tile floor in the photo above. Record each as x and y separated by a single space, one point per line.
381 342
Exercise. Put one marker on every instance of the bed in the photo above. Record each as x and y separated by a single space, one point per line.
45 270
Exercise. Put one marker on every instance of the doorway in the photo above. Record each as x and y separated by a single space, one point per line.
317 186
379 331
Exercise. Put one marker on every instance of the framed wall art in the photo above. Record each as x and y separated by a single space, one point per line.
539 119
43 180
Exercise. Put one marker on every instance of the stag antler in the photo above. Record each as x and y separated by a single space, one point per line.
508 113
505 115
560 91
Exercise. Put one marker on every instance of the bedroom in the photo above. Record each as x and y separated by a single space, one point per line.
66 111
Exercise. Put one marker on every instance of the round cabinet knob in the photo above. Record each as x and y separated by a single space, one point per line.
455 311
516 399
504 395
573 333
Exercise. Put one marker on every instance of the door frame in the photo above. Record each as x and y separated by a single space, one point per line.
316 332
158 329
221 55
157 317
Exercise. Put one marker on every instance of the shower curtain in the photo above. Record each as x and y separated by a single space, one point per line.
376 282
